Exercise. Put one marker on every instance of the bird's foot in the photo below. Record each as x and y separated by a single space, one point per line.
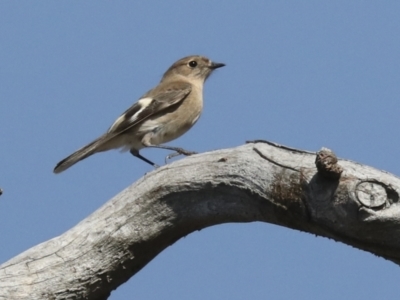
179 151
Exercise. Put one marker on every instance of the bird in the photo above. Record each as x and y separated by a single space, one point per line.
161 115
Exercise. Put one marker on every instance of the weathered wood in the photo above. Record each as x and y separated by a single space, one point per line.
259 181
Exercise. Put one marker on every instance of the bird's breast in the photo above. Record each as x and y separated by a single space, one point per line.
171 124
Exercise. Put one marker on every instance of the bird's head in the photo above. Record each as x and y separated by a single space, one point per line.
194 67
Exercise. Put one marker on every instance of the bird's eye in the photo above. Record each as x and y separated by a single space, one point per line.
192 64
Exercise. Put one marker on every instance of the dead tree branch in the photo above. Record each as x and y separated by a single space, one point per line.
259 181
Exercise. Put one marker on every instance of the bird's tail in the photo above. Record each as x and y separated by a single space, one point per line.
78 155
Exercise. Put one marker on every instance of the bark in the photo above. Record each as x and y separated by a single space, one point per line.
259 181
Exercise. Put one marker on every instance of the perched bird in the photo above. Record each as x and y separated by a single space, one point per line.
161 115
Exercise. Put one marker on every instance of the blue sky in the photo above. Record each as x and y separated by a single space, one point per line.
306 74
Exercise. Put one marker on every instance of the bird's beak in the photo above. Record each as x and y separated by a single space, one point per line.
216 65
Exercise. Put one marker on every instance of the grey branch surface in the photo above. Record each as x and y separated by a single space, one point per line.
259 181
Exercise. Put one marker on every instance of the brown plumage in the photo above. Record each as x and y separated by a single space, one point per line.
161 115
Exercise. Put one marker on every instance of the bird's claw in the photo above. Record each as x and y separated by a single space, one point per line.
179 152
186 153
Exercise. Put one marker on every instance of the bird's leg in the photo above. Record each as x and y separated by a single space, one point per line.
178 150
169 156
137 154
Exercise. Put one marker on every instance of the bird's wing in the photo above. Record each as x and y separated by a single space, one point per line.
153 102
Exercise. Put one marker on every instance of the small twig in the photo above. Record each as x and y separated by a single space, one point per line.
279 146
273 161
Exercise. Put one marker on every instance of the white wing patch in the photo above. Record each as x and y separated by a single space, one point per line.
116 123
144 103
